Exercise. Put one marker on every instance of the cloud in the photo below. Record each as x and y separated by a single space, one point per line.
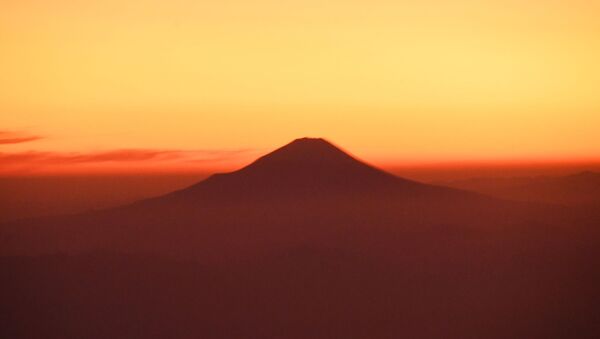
10 137
121 155
57 157
118 156
125 159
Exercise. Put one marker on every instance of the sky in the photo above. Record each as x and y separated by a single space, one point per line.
181 85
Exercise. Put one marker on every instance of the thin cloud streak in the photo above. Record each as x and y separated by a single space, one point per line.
10 137
150 159
120 155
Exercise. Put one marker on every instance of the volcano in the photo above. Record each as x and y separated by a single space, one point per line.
307 168
305 242
308 190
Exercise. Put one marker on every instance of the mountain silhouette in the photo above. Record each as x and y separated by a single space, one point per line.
304 191
314 158
307 168
305 242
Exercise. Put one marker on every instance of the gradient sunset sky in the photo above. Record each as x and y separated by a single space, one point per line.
211 84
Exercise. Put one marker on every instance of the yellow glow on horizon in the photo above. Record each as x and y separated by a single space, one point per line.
389 80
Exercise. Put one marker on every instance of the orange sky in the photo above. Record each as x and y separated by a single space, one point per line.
208 84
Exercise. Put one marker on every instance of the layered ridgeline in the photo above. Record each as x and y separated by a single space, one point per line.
306 242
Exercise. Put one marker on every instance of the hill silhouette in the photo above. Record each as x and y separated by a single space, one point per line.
41 196
577 189
305 242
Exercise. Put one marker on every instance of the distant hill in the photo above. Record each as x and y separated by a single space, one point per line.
576 189
38 196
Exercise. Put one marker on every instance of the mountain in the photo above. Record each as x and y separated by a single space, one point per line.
579 189
305 242
304 191
307 167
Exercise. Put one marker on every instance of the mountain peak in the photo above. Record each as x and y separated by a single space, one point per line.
313 163
306 152
312 141
310 145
